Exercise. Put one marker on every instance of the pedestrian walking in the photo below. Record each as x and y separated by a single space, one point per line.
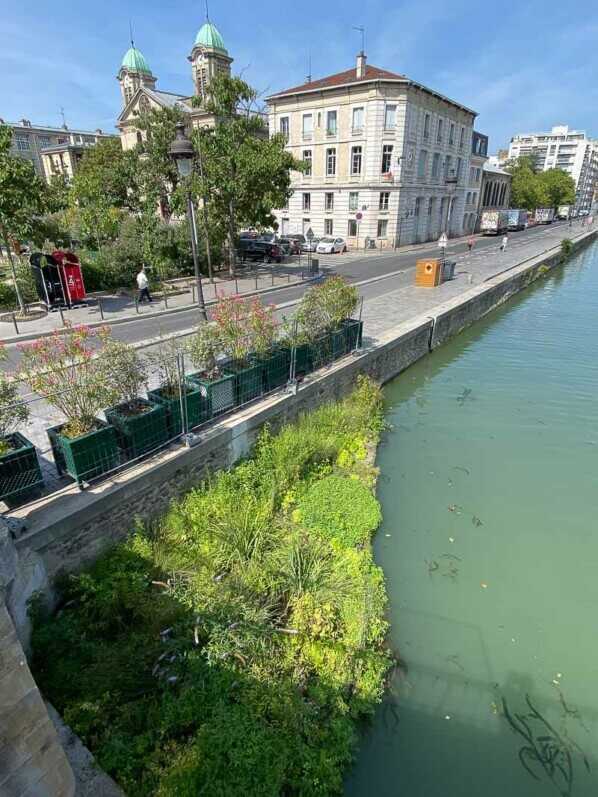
470 243
143 286
505 241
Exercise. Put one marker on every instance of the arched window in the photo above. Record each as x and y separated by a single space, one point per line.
139 137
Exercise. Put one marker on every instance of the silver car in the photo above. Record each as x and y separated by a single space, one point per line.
310 246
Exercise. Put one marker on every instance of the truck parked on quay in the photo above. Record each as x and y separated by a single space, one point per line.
563 212
517 219
544 215
494 222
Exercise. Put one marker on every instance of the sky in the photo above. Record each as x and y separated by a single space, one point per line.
524 66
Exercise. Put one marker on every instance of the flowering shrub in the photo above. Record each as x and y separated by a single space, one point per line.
81 372
324 306
13 410
204 347
245 326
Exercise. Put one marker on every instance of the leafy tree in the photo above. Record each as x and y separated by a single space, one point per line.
526 192
557 186
546 189
103 187
245 173
21 200
157 176
56 195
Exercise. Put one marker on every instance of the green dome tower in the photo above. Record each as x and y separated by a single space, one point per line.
208 57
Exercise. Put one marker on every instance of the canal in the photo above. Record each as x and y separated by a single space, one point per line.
489 544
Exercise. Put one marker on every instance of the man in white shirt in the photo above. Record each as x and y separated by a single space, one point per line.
143 286
505 241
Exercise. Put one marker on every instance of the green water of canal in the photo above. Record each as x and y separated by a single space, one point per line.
490 547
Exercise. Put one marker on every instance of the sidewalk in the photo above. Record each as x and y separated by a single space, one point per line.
114 308
398 301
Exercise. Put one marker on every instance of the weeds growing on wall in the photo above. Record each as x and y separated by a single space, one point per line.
233 649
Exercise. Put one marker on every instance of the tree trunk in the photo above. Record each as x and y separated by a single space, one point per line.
13 269
231 239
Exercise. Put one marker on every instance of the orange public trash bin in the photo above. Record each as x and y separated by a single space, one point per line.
428 273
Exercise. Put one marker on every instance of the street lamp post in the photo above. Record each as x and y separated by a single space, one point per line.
183 154
450 183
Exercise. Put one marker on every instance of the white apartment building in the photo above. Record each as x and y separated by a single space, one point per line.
52 150
378 149
562 148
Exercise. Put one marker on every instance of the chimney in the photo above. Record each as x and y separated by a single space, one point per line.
361 59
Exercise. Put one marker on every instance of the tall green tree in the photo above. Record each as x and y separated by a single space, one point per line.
156 173
104 187
557 186
21 201
526 191
243 173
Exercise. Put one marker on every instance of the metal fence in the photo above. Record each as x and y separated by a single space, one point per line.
179 403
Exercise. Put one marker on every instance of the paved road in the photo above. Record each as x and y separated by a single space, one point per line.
355 269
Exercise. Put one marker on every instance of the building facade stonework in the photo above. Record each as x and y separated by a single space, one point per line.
52 150
378 149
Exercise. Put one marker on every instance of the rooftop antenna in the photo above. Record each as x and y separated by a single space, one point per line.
309 62
131 34
207 12
361 29
63 118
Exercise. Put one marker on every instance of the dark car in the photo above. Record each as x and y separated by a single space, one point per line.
260 251
291 244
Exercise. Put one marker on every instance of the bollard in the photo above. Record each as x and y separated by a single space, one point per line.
288 276
61 315
193 293
165 299
236 285
14 321
272 275
256 279
136 304
101 309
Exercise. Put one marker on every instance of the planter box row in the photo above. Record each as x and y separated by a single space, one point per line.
134 431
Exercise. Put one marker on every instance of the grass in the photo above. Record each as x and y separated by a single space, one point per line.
234 647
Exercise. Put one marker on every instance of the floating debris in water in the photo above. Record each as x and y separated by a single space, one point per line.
450 482
484 585
387 535
546 749
466 395
455 508
451 539
454 659
447 716
476 521
460 467
494 707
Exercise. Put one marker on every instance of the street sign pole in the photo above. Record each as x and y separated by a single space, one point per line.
358 217
310 236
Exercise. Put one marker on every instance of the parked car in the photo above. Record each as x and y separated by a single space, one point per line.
310 246
260 251
329 245
293 242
